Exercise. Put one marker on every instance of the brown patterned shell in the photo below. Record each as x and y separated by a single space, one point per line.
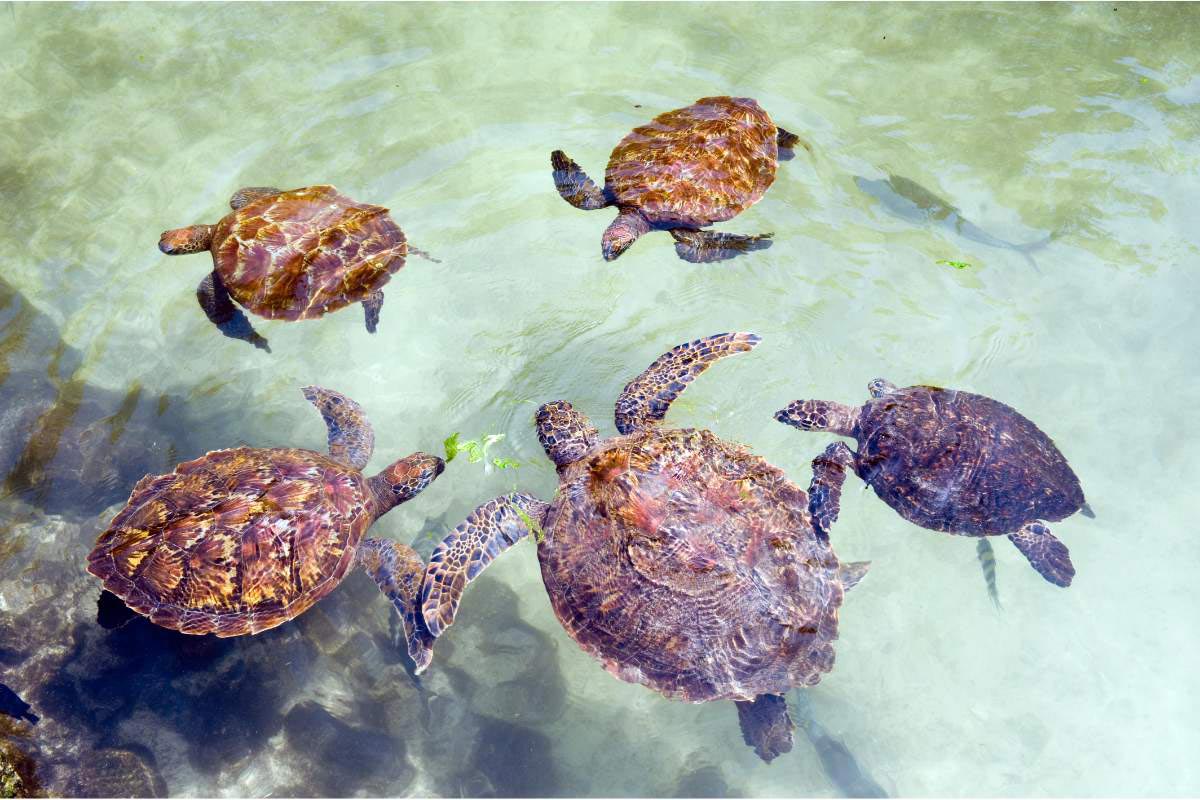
697 165
236 541
961 462
305 252
690 565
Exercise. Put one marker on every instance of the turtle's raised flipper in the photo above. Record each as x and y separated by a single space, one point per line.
371 305
1047 554
705 247
987 560
416 251
487 532
820 415
398 571
825 490
351 439
247 195
221 311
574 185
182 241
646 398
787 140
766 725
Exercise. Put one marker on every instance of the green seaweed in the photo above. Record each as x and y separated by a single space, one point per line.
476 450
955 264
535 528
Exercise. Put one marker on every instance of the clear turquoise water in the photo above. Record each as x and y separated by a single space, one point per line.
1077 121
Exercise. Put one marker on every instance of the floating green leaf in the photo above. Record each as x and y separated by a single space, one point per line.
452 447
955 264
476 450
505 463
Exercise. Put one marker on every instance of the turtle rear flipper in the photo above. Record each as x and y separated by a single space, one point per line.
221 311
487 532
574 185
351 438
397 570
766 725
1047 554
705 247
371 306
646 398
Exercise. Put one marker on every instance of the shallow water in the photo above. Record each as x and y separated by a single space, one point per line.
1076 122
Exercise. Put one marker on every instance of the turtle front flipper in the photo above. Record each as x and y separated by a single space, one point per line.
247 195
825 490
574 185
1047 554
646 398
487 532
705 247
221 311
351 438
766 725
398 571
371 306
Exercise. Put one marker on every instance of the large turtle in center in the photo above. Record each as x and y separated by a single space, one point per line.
296 254
681 172
680 561
956 462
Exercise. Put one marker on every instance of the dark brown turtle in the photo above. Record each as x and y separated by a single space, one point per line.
680 561
292 255
956 462
683 171
239 541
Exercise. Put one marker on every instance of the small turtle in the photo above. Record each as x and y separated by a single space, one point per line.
291 255
239 541
680 561
685 170
956 462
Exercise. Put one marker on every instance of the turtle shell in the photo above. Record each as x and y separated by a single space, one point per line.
236 541
690 565
697 165
305 252
961 462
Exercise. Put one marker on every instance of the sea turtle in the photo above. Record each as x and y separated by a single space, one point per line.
956 462
680 561
684 170
295 254
239 541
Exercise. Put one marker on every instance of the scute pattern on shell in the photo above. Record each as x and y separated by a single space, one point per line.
306 252
963 463
236 541
689 565
697 165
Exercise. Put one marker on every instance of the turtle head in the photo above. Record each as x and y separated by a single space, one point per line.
181 241
622 233
405 479
879 387
565 434
820 415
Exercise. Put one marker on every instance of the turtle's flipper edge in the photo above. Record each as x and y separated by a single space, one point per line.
221 311
1046 553
706 247
574 185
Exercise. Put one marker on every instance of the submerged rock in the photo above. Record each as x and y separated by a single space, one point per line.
116 772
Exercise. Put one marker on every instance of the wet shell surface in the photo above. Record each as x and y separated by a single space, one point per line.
697 165
305 252
690 565
961 462
234 542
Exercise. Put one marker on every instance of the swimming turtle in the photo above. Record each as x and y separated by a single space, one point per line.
680 561
681 172
295 254
956 462
239 541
